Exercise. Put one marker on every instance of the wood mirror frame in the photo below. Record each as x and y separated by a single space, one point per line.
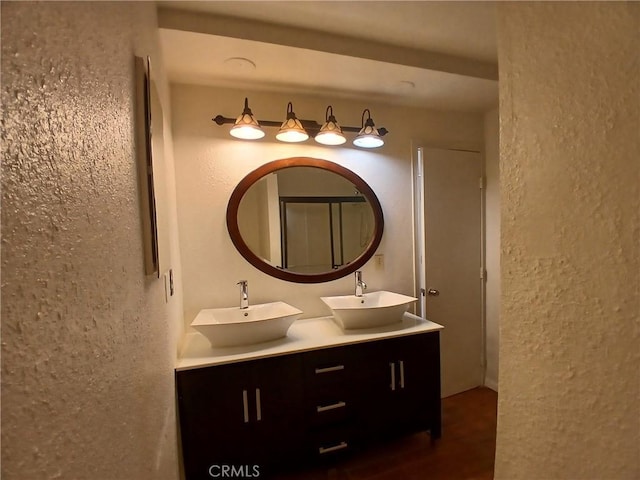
260 264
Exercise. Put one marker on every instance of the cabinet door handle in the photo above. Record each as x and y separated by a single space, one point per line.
401 373
245 406
333 406
258 406
340 446
393 375
329 369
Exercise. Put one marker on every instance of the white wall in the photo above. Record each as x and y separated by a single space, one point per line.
88 344
492 246
568 404
209 163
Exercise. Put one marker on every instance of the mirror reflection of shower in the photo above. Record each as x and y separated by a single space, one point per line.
321 233
306 220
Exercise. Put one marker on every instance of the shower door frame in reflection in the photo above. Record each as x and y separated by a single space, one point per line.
335 239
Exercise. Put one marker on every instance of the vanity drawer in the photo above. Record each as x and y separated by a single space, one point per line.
329 443
326 412
326 369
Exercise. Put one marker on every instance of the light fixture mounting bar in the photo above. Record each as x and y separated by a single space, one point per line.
311 126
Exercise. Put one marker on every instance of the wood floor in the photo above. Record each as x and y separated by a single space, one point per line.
465 451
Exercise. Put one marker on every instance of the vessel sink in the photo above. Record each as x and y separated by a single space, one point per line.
373 309
229 327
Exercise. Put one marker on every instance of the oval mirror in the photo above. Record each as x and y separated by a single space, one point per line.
305 220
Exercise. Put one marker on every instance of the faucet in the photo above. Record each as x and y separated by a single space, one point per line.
360 285
244 294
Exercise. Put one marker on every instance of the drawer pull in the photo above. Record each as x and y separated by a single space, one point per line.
245 406
340 446
401 373
258 405
329 369
333 406
393 376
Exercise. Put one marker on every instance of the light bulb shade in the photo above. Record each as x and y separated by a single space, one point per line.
368 140
292 130
368 136
331 132
330 138
246 127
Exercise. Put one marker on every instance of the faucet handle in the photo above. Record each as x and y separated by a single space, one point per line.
243 282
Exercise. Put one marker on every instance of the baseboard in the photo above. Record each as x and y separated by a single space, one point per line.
491 383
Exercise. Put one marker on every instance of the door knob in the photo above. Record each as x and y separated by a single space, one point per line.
433 292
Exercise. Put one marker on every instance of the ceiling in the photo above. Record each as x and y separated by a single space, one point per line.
439 55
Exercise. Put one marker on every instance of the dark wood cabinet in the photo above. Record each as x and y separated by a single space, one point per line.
240 416
309 406
399 388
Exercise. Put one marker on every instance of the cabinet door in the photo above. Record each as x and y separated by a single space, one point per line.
239 415
399 386
276 403
212 417
415 399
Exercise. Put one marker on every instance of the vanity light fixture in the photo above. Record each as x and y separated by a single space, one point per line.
368 136
246 127
330 133
291 130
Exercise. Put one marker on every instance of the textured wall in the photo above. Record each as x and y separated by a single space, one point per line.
209 164
492 245
569 397
88 346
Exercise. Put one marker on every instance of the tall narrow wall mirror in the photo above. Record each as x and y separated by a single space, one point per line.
145 96
305 220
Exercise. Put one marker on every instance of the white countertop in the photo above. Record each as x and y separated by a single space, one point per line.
303 335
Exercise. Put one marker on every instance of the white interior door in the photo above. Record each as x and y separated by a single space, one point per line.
453 256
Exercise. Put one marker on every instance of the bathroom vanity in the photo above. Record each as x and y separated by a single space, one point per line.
315 394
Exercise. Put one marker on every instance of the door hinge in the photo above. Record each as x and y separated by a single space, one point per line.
481 182
483 274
